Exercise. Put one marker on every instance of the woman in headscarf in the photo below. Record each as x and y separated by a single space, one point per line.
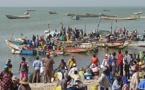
125 83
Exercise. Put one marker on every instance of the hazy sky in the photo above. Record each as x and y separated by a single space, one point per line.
70 3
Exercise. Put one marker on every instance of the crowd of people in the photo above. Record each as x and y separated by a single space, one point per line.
117 71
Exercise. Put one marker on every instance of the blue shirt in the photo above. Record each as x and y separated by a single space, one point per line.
37 64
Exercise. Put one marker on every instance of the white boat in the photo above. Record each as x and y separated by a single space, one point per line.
137 13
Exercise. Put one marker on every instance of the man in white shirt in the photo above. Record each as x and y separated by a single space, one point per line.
126 61
72 70
36 74
103 80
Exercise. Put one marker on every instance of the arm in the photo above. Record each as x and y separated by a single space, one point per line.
20 67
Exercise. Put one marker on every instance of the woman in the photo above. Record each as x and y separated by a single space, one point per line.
23 69
24 84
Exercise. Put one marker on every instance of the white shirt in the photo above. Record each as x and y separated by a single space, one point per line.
128 58
71 72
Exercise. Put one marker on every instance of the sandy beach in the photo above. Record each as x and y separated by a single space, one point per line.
50 86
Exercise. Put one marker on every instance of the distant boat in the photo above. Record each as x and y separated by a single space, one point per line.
25 16
119 18
106 10
50 12
137 13
30 10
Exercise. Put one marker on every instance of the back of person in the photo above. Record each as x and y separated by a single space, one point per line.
94 60
23 67
48 63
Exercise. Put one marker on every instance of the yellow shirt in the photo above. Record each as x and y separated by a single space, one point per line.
71 62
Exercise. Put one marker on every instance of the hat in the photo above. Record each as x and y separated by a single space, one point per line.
74 65
24 81
103 68
14 78
5 66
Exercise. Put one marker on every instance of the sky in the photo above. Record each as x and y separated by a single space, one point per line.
72 3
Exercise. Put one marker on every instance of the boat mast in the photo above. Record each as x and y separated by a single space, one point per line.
48 27
98 23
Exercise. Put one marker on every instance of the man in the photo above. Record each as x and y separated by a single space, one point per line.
95 60
62 65
37 66
71 62
126 61
48 68
72 70
5 78
103 80
120 62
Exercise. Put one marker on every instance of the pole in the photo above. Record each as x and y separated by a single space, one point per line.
98 23
111 27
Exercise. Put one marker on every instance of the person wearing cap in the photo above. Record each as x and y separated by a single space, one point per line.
71 61
24 84
48 63
37 66
103 80
72 70
5 78
8 63
23 68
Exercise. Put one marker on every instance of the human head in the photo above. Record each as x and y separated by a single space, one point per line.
94 55
68 78
126 52
37 58
119 51
118 78
74 65
114 54
6 68
23 59
24 81
62 60
48 55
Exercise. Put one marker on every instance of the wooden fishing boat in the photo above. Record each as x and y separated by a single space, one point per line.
133 17
76 50
18 17
124 45
13 46
50 12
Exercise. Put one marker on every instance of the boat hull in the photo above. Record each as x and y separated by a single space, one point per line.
18 17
